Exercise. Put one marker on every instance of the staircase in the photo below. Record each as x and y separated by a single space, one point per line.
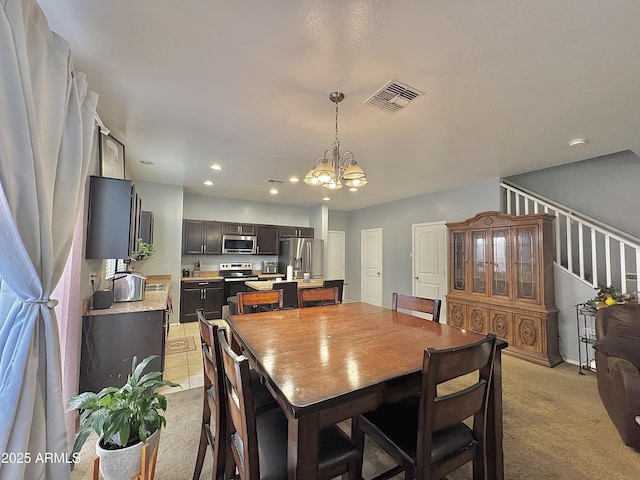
591 251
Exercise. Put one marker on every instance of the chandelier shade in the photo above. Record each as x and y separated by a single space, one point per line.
331 170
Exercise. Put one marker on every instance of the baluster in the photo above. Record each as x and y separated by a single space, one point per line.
607 258
558 246
594 262
581 249
569 246
623 267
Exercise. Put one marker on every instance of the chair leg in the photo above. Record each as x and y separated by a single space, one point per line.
202 451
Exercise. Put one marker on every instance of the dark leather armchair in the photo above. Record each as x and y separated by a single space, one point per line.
618 367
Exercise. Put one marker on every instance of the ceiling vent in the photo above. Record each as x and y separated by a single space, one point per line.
274 181
393 96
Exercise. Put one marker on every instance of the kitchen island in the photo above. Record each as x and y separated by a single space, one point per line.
111 337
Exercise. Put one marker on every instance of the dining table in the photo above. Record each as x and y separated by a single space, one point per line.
327 364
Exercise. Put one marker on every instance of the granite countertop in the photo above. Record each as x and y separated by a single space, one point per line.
268 284
215 275
153 299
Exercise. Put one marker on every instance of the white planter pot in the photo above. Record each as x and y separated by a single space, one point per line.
125 463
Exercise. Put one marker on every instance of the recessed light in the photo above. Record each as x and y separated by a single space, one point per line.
577 142
216 166
294 179
326 199
208 183
147 162
353 189
273 191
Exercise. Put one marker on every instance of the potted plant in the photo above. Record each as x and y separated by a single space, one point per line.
124 418
145 250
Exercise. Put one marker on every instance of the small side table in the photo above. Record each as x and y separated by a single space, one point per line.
586 323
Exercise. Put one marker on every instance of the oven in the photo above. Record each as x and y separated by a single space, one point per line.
234 275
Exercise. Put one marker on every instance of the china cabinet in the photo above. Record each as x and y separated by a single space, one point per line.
501 281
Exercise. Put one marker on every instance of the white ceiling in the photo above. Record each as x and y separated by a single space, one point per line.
185 83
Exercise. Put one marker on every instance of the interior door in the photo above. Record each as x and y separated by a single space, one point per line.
371 266
430 263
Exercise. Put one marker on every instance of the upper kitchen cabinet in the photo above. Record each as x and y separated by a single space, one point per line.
146 227
296 232
238 229
113 224
267 239
201 237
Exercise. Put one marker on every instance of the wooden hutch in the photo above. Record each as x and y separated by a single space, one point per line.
501 281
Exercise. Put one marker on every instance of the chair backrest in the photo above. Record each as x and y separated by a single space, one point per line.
289 293
417 304
313 297
239 402
335 283
251 302
214 408
456 402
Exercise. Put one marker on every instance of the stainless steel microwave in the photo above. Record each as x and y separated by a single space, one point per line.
239 244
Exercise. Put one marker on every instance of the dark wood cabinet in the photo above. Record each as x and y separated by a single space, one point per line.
296 232
110 341
113 222
146 227
501 281
205 294
267 239
238 229
201 237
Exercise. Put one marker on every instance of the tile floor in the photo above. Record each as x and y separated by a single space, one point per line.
184 368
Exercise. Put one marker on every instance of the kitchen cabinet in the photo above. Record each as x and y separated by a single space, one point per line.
146 227
109 343
501 281
201 237
205 294
296 232
113 222
238 229
267 239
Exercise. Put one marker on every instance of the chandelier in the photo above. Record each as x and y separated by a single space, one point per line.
331 170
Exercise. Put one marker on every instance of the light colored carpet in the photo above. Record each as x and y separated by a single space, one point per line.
555 427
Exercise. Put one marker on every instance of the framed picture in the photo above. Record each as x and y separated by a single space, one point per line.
111 157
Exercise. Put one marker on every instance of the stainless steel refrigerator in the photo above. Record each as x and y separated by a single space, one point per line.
306 255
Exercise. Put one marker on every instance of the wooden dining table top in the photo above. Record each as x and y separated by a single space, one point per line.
313 355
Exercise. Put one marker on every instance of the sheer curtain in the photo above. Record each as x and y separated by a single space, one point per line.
46 124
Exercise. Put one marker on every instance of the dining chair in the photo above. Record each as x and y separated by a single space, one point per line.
335 283
417 304
214 411
289 293
430 439
258 443
313 297
251 302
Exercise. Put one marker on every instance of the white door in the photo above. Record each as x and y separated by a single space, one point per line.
430 263
371 266
335 257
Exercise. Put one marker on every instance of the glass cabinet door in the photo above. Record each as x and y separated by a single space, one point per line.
459 273
479 261
500 272
526 264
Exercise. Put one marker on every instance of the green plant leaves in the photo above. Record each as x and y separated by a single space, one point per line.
123 416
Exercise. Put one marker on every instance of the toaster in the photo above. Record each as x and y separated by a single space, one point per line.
269 267
128 286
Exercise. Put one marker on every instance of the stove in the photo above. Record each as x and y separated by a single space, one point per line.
234 275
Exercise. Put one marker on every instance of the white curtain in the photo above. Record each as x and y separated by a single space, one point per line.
46 124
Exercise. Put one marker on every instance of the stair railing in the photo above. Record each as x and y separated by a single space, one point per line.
598 254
